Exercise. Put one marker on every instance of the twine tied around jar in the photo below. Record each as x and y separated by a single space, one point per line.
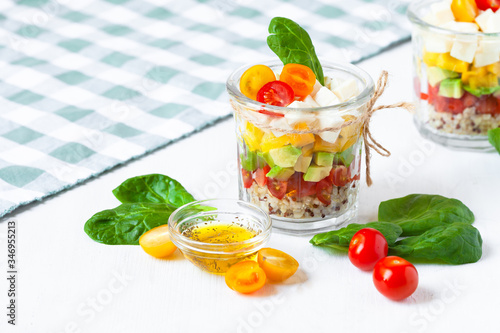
363 120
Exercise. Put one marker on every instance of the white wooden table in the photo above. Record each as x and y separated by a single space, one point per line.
68 283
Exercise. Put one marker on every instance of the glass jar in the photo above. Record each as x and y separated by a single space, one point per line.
302 165
456 85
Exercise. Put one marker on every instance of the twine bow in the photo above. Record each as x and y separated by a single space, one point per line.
364 120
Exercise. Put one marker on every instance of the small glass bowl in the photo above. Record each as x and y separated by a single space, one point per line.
217 257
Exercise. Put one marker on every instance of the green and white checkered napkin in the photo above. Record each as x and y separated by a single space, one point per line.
88 85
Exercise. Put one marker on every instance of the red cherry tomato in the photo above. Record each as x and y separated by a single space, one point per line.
276 93
260 175
485 4
247 178
298 187
339 176
276 187
395 278
324 191
367 247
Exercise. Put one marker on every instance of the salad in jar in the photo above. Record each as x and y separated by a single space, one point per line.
457 65
299 132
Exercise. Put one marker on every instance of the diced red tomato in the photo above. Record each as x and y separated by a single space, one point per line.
272 114
324 191
276 187
485 4
469 100
247 178
487 105
450 105
298 187
260 175
276 93
424 96
432 93
339 176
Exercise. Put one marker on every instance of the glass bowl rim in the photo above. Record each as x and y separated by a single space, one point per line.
361 99
217 248
411 13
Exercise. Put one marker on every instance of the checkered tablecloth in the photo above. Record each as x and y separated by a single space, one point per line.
86 85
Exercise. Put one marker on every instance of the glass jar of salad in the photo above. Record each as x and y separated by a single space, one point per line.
456 55
300 158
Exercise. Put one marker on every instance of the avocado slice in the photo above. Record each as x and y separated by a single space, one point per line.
436 75
451 88
346 157
322 158
315 173
286 156
250 161
266 158
302 163
280 173
481 90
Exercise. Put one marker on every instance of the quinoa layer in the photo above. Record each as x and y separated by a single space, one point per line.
467 123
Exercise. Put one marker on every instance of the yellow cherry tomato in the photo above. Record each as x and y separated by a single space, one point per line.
255 78
278 265
245 277
464 10
156 242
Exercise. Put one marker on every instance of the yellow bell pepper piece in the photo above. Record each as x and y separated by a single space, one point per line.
430 58
473 72
270 141
446 61
301 140
252 136
494 68
464 10
349 135
487 81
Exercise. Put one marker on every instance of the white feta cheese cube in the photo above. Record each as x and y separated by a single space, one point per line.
442 13
317 86
299 104
280 122
346 89
488 53
483 19
461 26
430 18
464 48
325 97
436 43
493 23
326 120
296 117
309 100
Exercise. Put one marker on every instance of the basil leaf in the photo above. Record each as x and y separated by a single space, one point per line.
292 44
154 188
343 236
456 244
125 224
417 213
494 138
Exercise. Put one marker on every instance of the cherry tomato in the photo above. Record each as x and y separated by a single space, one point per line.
276 187
245 277
276 93
247 178
277 265
366 248
464 10
339 176
469 100
487 105
260 175
156 242
395 278
486 4
298 187
301 78
254 78
324 191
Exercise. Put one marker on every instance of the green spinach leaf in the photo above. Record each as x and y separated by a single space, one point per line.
343 236
125 224
456 244
417 213
494 138
154 188
292 44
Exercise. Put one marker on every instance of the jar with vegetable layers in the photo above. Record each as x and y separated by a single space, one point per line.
301 163
456 56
